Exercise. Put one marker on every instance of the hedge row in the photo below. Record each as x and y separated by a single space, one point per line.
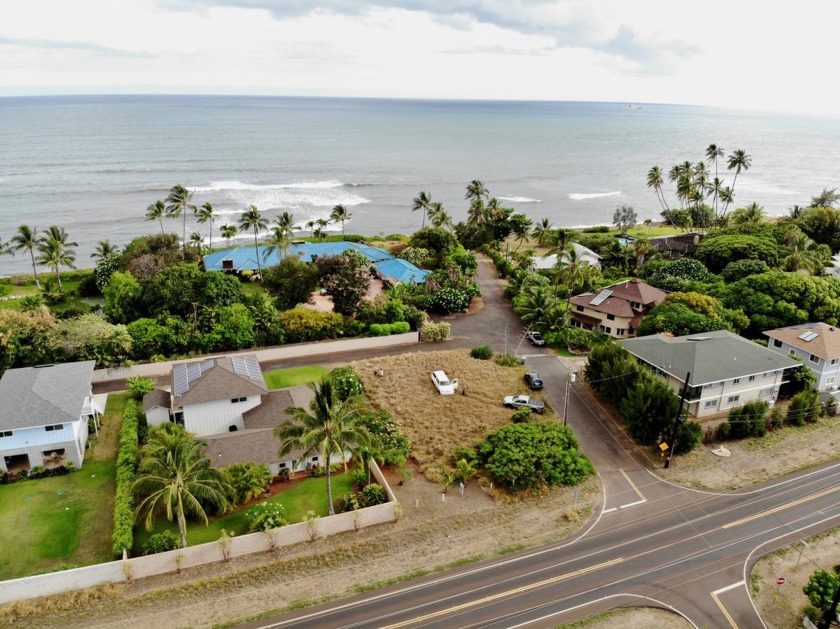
129 447
386 329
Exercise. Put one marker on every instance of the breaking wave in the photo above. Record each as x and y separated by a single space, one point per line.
578 196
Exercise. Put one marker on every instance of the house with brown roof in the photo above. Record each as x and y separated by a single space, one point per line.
817 345
676 246
617 309
226 402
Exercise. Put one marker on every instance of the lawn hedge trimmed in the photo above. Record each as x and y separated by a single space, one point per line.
129 447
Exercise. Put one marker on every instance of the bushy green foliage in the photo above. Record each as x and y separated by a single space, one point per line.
291 282
716 252
749 420
507 360
649 408
167 336
122 298
161 542
738 270
128 450
247 480
394 445
521 415
140 386
89 337
804 407
798 379
435 332
679 274
265 516
529 455
821 587
482 352
374 494
447 300
386 329
302 325
690 313
345 277
346 382
611 371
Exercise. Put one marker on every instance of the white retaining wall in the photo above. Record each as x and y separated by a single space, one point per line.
151 370
151 565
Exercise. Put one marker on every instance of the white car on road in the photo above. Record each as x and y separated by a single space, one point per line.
444 385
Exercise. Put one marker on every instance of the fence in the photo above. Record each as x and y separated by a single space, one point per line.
182 558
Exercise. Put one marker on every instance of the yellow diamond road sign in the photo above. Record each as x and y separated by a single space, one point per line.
663 446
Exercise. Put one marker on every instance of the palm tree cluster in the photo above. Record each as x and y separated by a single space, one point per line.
54 249
701 194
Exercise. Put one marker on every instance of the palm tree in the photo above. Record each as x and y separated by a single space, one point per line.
311 225
320 226
228 232
27 239
178 202
712 153
251 219
6 248
197 241
55 252
104 249
542 232
329 428
753 214
176 476
435 209
421 202
155 212
340 214
538 308
802 253
476 190
441 218
278 239
204 214
739 160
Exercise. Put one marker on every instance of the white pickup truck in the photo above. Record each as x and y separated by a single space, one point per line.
444 385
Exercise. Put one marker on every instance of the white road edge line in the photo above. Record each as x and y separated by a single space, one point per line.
729 587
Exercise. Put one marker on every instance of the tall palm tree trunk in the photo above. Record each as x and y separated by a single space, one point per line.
34 269
329 486
182 524
162 231
257 254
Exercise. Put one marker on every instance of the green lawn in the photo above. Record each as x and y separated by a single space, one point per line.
66 519
304 496
282 378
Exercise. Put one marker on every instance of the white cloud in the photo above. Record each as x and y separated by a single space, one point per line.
745 54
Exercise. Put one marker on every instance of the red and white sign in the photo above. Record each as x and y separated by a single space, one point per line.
780 581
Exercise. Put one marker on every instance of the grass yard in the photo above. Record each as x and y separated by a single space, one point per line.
282 378
438 424
301 497
65 519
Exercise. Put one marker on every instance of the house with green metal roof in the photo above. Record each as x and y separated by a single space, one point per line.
724 370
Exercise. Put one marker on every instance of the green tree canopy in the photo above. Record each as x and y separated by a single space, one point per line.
291 282
689 313
716 252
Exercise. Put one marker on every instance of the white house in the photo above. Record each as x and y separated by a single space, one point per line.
816 344
726 370
44 414
226 402
584 254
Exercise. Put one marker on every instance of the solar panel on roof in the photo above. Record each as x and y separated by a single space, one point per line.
185 374
247 366
599 299
808 336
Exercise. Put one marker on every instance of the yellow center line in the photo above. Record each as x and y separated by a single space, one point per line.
495 597
723 609
787 505
632 484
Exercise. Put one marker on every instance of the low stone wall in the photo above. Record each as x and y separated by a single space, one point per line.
152 370
151 565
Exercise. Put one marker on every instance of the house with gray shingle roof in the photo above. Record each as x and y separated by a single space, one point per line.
817 345
726 370
44 414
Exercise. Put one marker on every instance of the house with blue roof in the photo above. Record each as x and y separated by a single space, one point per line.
388 268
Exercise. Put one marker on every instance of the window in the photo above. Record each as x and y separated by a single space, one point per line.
834 361
179 417
792 352
814 359
607 330
713 385
611 317
237 399
620 331
829 380
736 381
752 378
579 308
777 343
711 404
733 399
54 427
5 433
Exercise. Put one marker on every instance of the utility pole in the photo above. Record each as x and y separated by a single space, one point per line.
569 380
673 442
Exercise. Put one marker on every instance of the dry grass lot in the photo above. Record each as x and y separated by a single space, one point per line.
437 424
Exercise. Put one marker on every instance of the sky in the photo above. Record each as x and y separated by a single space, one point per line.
744 54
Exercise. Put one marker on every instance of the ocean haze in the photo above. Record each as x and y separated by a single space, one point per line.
92 164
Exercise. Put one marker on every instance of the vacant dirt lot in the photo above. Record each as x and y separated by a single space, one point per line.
435 532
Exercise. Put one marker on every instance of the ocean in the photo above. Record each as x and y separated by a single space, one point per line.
92 164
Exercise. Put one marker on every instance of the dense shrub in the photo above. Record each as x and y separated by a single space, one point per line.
435 332
749 420
301 325
386 329
265 516
346 382
321 470
393 444
507 360
804 407
448 300
482 352
129 447
521 415
373 494
161 542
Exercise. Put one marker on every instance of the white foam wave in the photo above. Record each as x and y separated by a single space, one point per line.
578 196
520 199
221 186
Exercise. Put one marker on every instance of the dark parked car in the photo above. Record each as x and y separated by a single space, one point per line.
533 380
523 401
535 338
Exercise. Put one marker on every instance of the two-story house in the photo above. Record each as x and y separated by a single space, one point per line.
617 309
816 344
724 370
44 413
